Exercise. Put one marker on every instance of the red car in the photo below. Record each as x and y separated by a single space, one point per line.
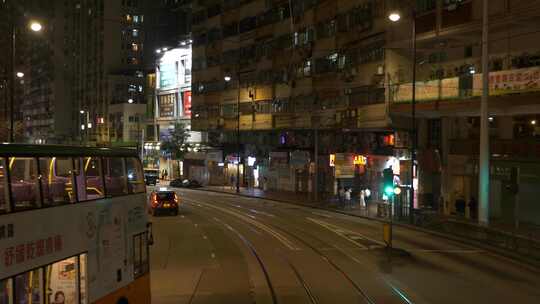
164 201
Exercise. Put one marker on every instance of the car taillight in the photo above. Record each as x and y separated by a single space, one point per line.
176 199
154 201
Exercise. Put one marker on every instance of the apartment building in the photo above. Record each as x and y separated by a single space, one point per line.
293 77
279 70
105 46
449 87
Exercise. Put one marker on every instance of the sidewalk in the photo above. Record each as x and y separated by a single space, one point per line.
522 244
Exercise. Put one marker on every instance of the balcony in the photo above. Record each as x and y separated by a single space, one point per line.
528 148
505 85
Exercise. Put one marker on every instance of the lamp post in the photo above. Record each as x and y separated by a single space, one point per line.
395 17
35 27
227 79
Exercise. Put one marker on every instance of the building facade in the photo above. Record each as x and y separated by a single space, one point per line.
299 84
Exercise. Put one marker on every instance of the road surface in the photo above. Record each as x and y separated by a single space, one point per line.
228 249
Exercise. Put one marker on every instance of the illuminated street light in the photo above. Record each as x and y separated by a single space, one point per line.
36 26
533 122
158 51
81 111
227 78
130 100
20 74
394 17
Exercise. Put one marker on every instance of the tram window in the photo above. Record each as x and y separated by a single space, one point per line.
3 193
140 254
83 274
61 279
135 176
25 191
56 180
89 178
6 288
115 176
28 288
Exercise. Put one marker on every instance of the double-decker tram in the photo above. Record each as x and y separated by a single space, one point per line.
73 226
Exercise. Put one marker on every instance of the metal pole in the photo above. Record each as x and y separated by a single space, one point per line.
238 135
413 109
316 171
13 80
483 174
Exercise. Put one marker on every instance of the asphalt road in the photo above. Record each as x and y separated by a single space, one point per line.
228 249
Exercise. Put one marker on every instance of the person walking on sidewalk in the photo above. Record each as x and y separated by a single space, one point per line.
233 179
341 195
348 197
362 199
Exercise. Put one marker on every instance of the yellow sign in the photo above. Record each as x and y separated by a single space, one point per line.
387 234
332 160
360 160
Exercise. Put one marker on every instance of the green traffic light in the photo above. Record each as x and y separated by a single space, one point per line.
389 190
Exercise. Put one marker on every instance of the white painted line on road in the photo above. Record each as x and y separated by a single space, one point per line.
351 236
445 250
280 237
322 214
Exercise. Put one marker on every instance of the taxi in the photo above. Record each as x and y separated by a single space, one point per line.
164 201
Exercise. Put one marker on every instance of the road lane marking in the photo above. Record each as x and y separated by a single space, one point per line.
445 250
280 237
356 238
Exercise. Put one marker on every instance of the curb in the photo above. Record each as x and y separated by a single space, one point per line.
529 263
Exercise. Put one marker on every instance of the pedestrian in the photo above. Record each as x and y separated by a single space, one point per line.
363 199
341 195
473 208
265 183
166 174
163 174
233 179
348 192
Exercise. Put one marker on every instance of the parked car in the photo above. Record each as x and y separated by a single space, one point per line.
185 183
151 176
164 201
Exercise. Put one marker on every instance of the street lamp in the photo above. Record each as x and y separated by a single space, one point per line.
35 27
395 17
130 101
228 79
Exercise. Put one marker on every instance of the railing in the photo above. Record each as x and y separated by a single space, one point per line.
524 80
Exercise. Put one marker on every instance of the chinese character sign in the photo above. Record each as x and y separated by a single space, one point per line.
29 251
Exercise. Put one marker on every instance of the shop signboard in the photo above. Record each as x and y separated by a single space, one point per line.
344 164
278 158
428 90
214 156
509 81
166 105
187 103
299 158
168 76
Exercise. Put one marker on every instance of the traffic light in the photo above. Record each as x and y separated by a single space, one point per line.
388 182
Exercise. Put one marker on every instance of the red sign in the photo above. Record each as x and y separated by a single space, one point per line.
31 250
187 103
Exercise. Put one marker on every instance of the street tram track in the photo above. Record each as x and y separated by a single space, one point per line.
323 256
358 289
264 269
